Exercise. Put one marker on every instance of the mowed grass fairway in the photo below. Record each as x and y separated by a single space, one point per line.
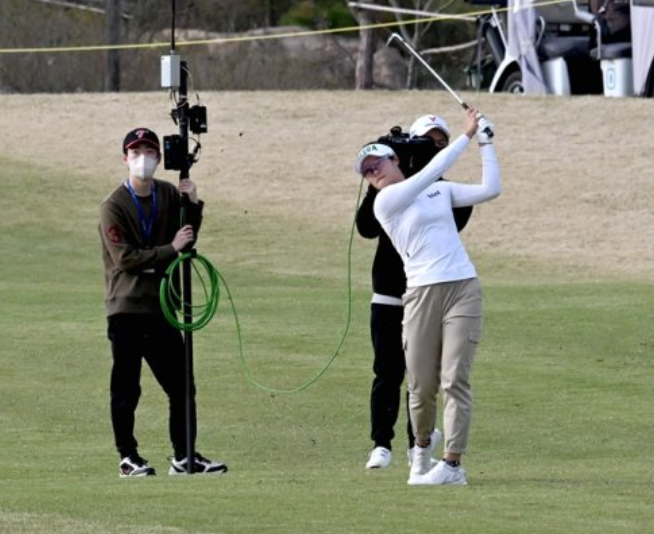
564 379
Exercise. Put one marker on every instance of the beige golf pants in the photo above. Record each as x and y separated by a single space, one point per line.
442 328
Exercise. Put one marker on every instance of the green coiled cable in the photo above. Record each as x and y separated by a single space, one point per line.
172 304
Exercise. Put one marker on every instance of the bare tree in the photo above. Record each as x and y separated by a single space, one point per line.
414 33
364 67
113 25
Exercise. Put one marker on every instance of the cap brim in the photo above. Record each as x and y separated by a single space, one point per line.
142 142
379 150
419 132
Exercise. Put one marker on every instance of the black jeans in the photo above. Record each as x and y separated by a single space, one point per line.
135 337
389 368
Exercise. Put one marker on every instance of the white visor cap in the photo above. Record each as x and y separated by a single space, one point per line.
428 122
376 150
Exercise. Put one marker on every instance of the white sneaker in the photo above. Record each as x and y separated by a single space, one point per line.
421 462
379 457
201 466
134 466
441 475
435 439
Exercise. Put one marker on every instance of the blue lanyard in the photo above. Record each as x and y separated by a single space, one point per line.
146 226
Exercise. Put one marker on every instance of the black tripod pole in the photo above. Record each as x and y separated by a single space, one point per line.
183 118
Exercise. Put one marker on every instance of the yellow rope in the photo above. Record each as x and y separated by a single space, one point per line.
246 38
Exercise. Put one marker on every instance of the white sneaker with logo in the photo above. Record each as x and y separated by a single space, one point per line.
380 457
201 466
134 466
441 475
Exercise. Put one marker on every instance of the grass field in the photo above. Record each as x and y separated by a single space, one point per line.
564 379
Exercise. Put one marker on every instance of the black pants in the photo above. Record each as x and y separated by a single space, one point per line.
389 368
135 337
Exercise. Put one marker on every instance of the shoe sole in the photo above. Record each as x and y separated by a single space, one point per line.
423 480
413 482
174 472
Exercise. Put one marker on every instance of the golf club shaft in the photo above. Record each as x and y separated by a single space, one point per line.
456 97
428 67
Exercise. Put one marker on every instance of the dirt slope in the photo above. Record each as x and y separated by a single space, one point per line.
577 173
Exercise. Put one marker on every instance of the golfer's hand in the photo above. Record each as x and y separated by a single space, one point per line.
183 237
472 122
188 187
486 131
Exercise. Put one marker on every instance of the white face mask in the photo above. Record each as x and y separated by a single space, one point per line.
142 167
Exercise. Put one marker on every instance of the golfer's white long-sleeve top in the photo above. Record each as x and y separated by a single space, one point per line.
417 216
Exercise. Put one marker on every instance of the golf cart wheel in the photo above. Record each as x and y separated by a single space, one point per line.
513 83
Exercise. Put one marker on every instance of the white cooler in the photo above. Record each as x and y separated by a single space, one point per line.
618 77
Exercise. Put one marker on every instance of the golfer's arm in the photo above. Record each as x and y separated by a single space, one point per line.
397 197
490 187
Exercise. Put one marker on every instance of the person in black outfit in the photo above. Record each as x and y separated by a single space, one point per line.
141 236
386 312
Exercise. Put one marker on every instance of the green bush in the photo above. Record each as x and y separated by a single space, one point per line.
330 14
339 16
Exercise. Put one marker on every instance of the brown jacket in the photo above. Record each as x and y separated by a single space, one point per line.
134 268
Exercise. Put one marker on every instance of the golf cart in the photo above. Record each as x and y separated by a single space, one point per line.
642 38
572 47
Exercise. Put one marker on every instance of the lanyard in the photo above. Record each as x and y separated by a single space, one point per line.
146 226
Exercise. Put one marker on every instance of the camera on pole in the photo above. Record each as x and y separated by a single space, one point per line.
175 76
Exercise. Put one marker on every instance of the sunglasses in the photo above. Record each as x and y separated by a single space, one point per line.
373 167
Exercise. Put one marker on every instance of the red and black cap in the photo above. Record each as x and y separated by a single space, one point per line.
141 135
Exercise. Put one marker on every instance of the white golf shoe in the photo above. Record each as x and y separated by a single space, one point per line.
380 457
435 439
421 461
441 475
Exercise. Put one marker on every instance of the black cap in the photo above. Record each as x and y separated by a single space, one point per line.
141 135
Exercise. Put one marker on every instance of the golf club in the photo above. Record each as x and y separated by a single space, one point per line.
398 37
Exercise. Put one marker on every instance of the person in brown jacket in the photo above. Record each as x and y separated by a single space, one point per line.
141 236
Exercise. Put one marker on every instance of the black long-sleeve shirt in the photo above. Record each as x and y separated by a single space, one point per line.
388 276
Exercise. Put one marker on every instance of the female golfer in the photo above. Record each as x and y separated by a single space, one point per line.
443 302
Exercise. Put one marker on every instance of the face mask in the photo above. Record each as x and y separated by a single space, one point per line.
142 167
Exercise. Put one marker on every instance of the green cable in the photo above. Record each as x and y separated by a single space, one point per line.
172 304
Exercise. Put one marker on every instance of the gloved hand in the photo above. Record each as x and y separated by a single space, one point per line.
485 131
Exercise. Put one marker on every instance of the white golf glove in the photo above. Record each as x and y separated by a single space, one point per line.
485 131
